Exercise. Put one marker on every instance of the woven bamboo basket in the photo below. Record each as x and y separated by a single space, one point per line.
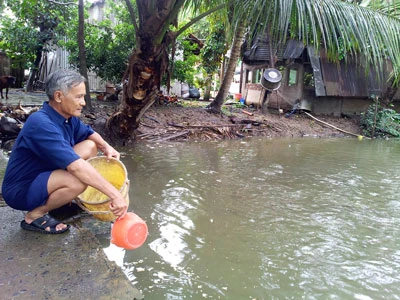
95 202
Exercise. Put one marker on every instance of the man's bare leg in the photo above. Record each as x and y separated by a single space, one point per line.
62 186
86 149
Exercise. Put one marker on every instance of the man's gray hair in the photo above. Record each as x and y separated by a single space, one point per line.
62 80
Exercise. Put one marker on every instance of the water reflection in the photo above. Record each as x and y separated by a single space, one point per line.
267 219
173 216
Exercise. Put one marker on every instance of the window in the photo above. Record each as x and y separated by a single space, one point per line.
292 77
308 79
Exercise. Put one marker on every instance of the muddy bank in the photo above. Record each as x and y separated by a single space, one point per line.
187 120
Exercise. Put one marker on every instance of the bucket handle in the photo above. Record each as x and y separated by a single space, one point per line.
93 212
89 211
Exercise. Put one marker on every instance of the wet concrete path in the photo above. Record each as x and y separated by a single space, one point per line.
66 266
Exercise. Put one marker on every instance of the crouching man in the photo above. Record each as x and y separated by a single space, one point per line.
47 167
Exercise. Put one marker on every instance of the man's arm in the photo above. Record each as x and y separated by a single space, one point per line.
103 146
86 173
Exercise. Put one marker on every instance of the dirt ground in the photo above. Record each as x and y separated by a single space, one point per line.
189 120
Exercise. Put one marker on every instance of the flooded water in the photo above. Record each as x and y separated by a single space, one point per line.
266 219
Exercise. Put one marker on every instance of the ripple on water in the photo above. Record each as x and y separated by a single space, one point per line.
298 219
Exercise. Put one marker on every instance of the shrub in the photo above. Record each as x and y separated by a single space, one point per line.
380 122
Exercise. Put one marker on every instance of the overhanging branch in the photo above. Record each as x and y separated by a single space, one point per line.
159 36
199 17
132 15
62 3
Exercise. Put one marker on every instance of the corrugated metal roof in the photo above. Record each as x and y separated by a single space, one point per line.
293 49
348 79
344 79
259 51
317 71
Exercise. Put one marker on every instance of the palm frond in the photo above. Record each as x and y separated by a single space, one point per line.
339 27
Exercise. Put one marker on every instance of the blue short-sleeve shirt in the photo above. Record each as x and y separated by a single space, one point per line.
44 144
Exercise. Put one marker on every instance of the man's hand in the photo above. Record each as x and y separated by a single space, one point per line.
110 152
118 206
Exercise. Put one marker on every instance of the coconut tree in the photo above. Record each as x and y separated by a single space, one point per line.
339 27
154 22
215 106
392 9
211 56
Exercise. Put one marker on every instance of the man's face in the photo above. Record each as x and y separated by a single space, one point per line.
73 101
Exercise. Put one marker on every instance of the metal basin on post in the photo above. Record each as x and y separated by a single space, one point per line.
271 79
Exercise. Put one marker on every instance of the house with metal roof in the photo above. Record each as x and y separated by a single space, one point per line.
322 86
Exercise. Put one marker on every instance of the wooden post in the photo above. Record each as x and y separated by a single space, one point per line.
375 113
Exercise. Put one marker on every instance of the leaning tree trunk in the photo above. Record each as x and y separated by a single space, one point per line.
207 88
265 94
223 92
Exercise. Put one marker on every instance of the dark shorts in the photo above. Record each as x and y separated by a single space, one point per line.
37 193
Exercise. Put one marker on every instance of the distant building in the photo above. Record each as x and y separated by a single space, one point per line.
323 87
58 59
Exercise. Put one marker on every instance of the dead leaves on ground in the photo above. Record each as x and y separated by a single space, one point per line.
203 132
180 133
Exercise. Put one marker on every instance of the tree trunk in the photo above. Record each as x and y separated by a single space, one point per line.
34 70
223 92
141 83
82 53
390 92
148 62
265 93
207 88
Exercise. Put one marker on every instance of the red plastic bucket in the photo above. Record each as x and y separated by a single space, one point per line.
130 232
238 96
